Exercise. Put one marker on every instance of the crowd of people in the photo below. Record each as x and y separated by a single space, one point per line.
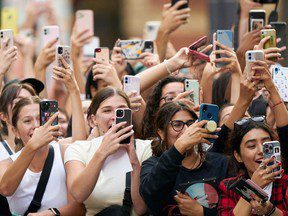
173 163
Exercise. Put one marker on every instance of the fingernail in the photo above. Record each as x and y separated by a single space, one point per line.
279 163
282 171
273 157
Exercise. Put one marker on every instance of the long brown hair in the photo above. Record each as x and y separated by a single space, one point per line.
163 118
15 115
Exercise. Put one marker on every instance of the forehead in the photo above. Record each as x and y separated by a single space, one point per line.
172 88
182 115
29 110
255 134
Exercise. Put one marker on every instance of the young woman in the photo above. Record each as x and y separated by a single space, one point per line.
246 143
20 173
84 160
177 159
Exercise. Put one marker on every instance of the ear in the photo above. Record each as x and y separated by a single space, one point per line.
3 117
161 134
15 131
92 122
238 157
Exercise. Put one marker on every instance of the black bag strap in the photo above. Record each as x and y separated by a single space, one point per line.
6 147
37 198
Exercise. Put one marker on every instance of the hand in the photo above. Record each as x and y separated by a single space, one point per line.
32 12
233 65
249 40
49 10
183 96
260 209
7 57
135 101
132 154
172 18
247 5
118 59
112 138
26 46
247 90
187 205
272 52
106 72
78 40
45 134
149 59
264 175
66 76
42 213
261 73
181 59
194 135
46 56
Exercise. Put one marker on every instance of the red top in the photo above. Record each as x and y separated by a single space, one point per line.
229 199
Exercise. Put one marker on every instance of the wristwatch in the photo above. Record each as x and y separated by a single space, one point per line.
55 211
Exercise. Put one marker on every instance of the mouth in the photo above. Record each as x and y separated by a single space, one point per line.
259 161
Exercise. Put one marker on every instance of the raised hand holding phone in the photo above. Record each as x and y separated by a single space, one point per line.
7 56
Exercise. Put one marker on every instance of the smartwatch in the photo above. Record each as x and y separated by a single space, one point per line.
55 211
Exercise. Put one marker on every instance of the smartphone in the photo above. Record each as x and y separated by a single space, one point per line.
85 20
50 33
47 109
197 44
124 115
63 51
102 54
271 149
131 84
151 30
252 56
272 34
209 112
247 189
280 79
225 37
148 47
256 19
192 84
88 49
173 2
9 19
7 33
281 29
131 49
266 1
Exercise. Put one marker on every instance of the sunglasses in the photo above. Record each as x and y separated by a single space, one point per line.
178 125
242 122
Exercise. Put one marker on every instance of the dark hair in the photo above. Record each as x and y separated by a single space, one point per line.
219 89
152 106
164 116
7 96
235 140
103 95
16 111
90 82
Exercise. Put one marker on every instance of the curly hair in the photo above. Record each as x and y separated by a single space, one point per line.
152 106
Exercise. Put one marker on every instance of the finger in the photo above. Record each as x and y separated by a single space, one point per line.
206 49
263 41
226 52
178 4
223 47
182 11
124 130
56 134
177 199
59 73
12 49
51 120
273 55
203 140
283 48
183 17
125 136
210 136
65 64
272 50
202 123
226 60
81 33
54 128
116 127
51 43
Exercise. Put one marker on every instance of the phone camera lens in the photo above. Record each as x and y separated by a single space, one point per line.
209 116
60 50
119 113
205 107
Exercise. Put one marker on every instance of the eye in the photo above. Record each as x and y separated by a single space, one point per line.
106 110
251 146
27 121
190 122
177 124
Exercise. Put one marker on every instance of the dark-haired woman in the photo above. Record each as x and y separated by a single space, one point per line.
177 159
246 143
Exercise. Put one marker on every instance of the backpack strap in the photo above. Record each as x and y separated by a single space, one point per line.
6 147
37 198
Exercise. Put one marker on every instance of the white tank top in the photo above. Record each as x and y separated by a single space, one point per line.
55 195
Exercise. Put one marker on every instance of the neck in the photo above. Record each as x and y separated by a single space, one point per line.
10 138
192 160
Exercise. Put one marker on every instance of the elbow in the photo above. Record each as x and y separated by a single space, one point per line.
140 210
76 194
5 190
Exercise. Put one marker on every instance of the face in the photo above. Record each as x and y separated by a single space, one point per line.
27 122
171 90
105 115
22 94
173 135
251 152
63 122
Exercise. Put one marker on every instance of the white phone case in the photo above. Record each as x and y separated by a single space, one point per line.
191 84
280 78
65 53
252 56
7 33
50 33
131 84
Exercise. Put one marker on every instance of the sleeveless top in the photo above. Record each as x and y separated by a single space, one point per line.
55 194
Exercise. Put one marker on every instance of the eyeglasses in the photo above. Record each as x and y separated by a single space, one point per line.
178 125
239 124
167 98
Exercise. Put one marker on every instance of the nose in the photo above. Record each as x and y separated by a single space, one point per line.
259 149
36 123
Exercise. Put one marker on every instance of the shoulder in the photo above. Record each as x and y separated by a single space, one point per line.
216 158
143 149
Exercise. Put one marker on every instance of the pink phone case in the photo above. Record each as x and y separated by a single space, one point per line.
50 33
199 55
102 54
200 42
85 20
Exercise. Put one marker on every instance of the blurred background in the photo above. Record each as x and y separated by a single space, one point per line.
126 18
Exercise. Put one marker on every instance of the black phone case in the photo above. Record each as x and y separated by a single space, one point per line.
127 117
47 109
254 15
245 190
173 2
281 29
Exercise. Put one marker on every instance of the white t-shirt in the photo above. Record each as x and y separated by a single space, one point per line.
4 154
55 194
108 190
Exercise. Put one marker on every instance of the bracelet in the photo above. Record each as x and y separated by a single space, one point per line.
167 68
271 212
55 211
274 105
